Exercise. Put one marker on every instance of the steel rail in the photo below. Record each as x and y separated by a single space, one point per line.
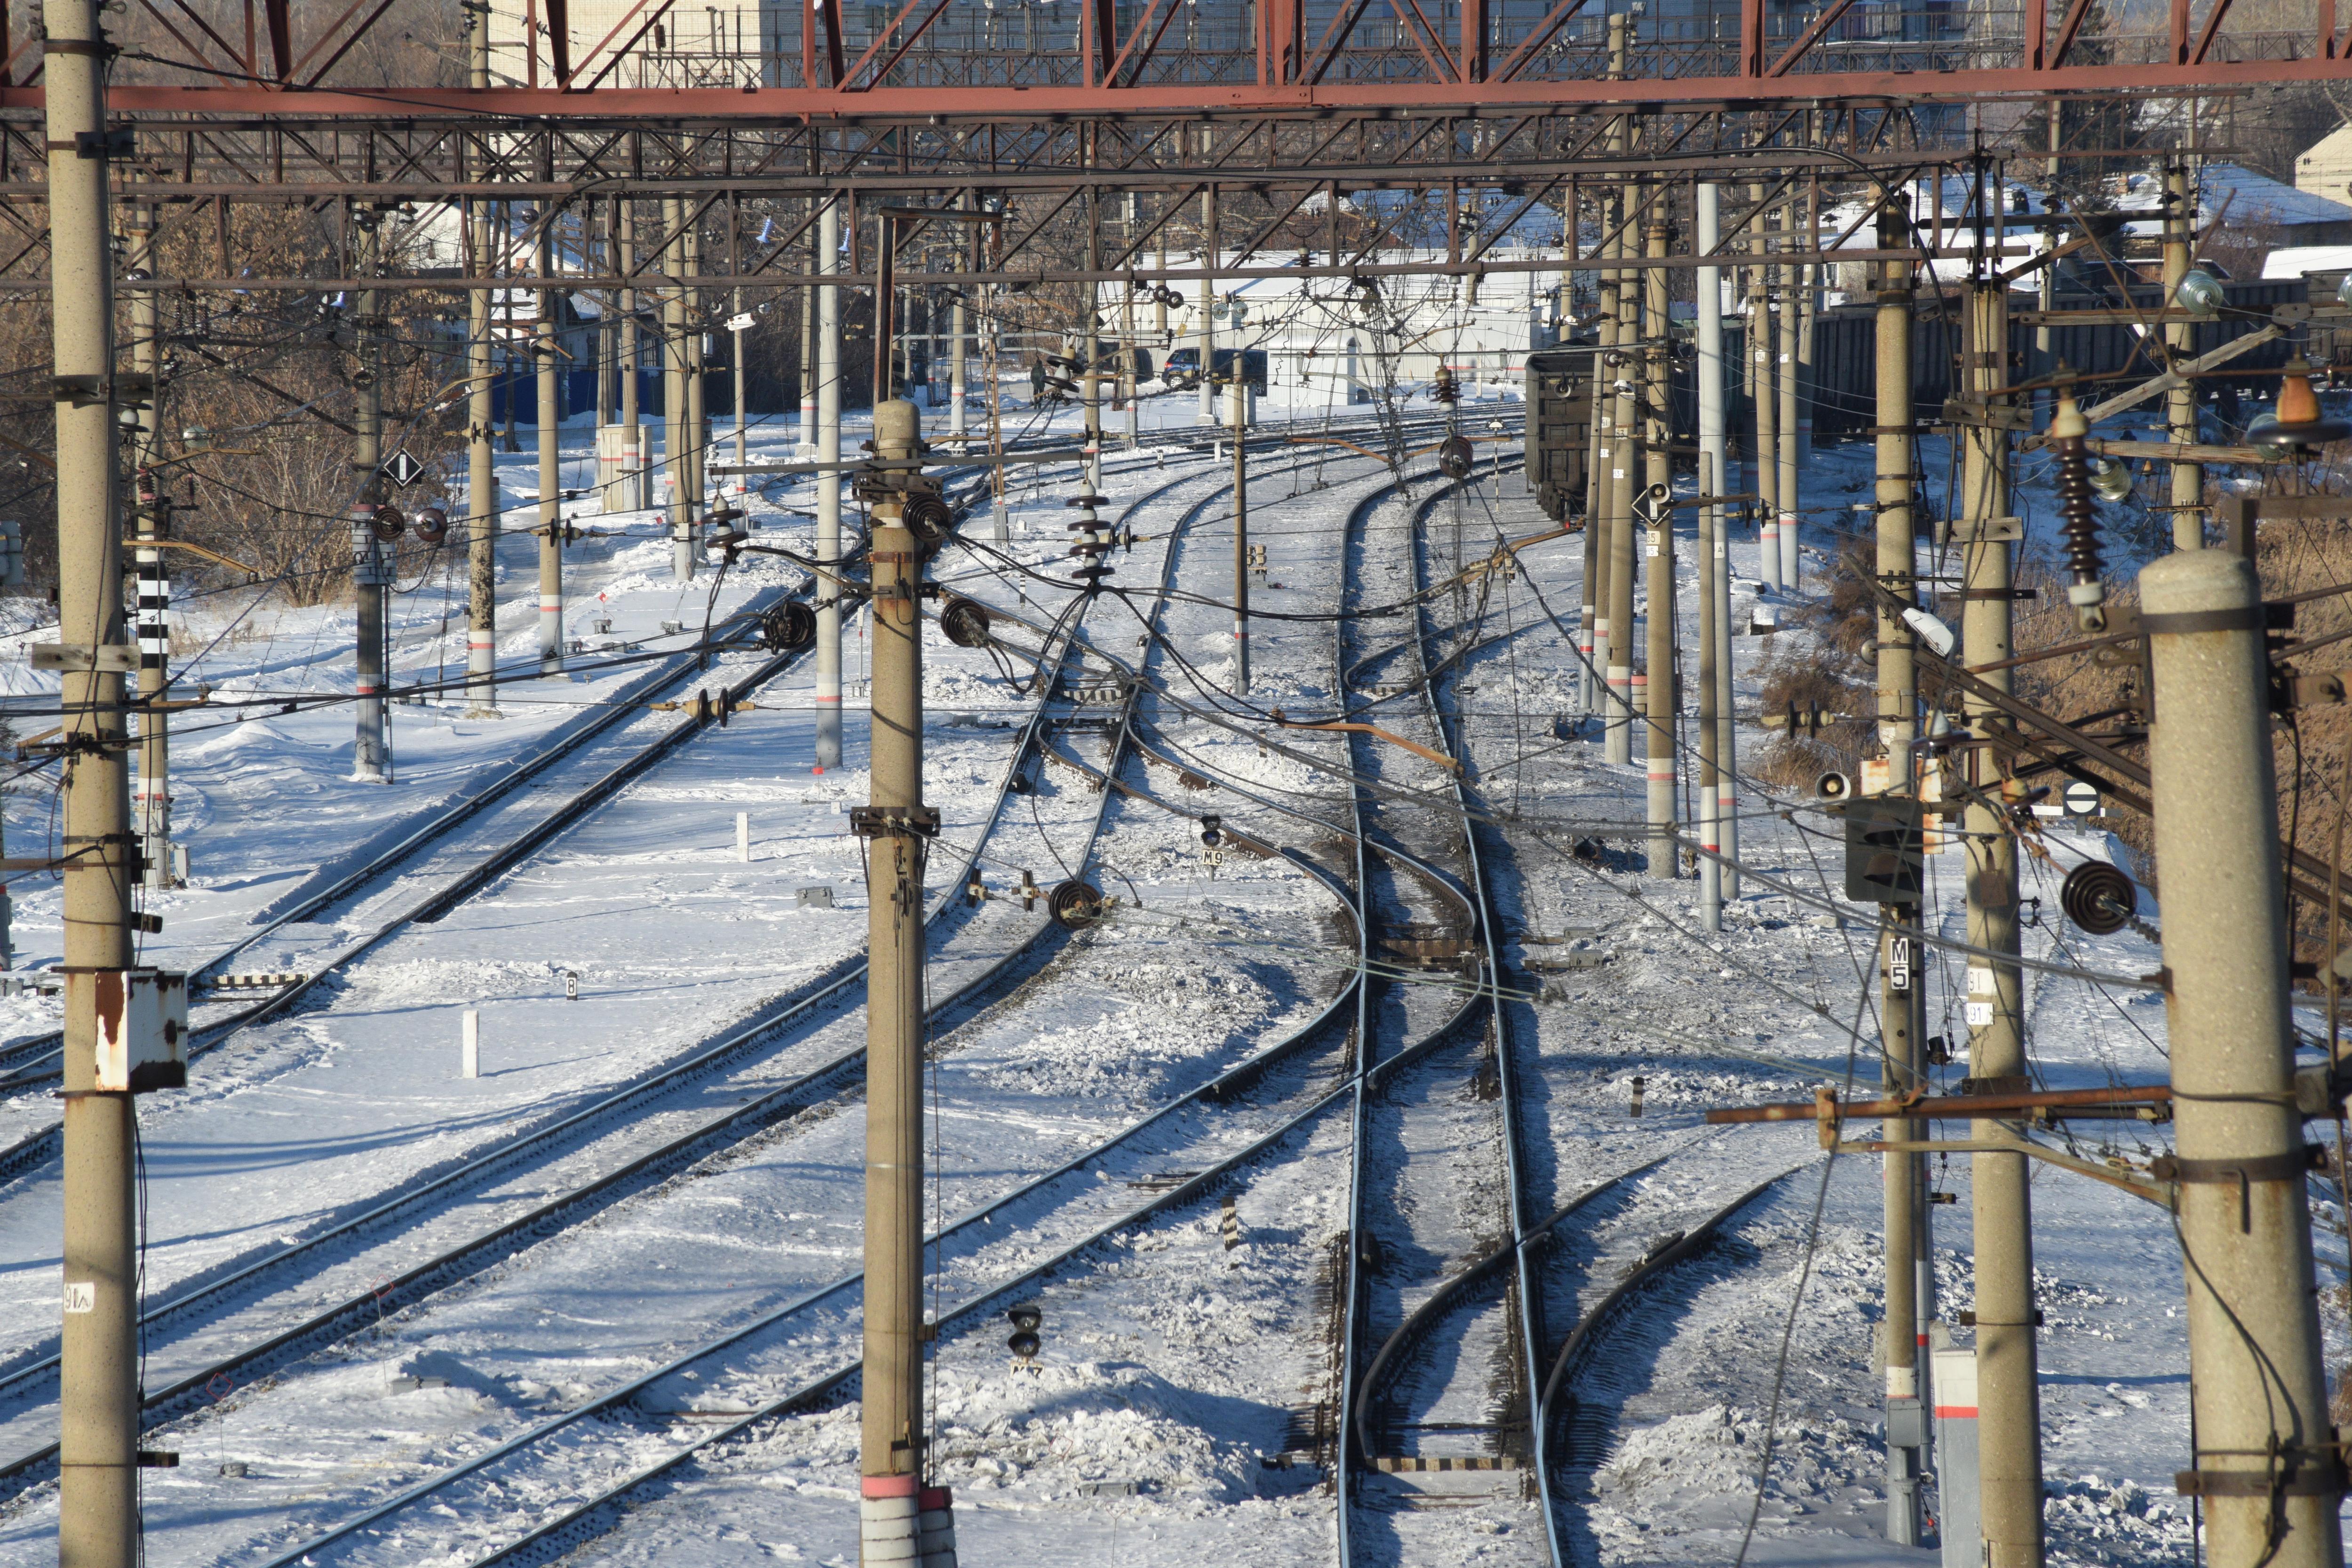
583 1522
1225 1085
1424 1317
209 1036
1453 736
1373 1076
1589 1329
40 1146
488 786
576 1526
484 1250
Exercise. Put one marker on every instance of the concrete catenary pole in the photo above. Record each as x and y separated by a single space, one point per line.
151 802
1240 395
897 828
98 1502
1714 559
550 467
736 338
828 486
1600 489
1207 338
2009 1400
1809 303
1726 750
1664 696
1612 634
804 443
1127 377
1786 489
1764 397
2045 338
597 244
597 239
482 477
633 455
2266 1465
1592 600
677 405
1091 380
959 343
1901 1057
1625 484
697 408
2179 337
371 568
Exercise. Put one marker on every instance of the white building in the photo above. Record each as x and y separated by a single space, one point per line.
687 45
2325 169
1328 342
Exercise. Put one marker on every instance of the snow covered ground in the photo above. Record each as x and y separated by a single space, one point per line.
1078 1081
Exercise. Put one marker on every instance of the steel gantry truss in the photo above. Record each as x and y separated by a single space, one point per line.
918 59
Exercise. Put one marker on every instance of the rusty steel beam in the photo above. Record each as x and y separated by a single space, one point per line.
1415 269
945 105
220 164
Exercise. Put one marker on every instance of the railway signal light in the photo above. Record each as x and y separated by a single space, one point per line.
1212 831
1024 1342
1886 862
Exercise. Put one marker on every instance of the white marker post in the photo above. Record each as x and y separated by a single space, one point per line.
743 836
469 1043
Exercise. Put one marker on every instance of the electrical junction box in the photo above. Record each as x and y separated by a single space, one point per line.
142 1029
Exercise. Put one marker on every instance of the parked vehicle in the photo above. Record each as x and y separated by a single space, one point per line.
1182 370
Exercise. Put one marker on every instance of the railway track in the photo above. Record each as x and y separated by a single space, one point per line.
986 1226
1298 1109
965 991
30 1063
1583 1427
1608 1257
518 1234
1436 1125
525 1154
39 1148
